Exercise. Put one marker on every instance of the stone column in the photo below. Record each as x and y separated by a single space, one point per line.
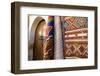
58 43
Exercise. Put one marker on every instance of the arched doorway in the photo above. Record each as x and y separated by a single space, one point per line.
36 35
38 45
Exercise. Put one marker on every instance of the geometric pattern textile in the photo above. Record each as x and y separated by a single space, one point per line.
72 23
75 37
76 49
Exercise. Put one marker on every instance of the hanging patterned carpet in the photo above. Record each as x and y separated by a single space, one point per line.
76 37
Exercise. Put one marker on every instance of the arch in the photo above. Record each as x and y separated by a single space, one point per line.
33 28
32 32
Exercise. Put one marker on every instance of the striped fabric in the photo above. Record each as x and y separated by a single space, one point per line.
48 44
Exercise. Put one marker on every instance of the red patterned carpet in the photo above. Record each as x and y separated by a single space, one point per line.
75 37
